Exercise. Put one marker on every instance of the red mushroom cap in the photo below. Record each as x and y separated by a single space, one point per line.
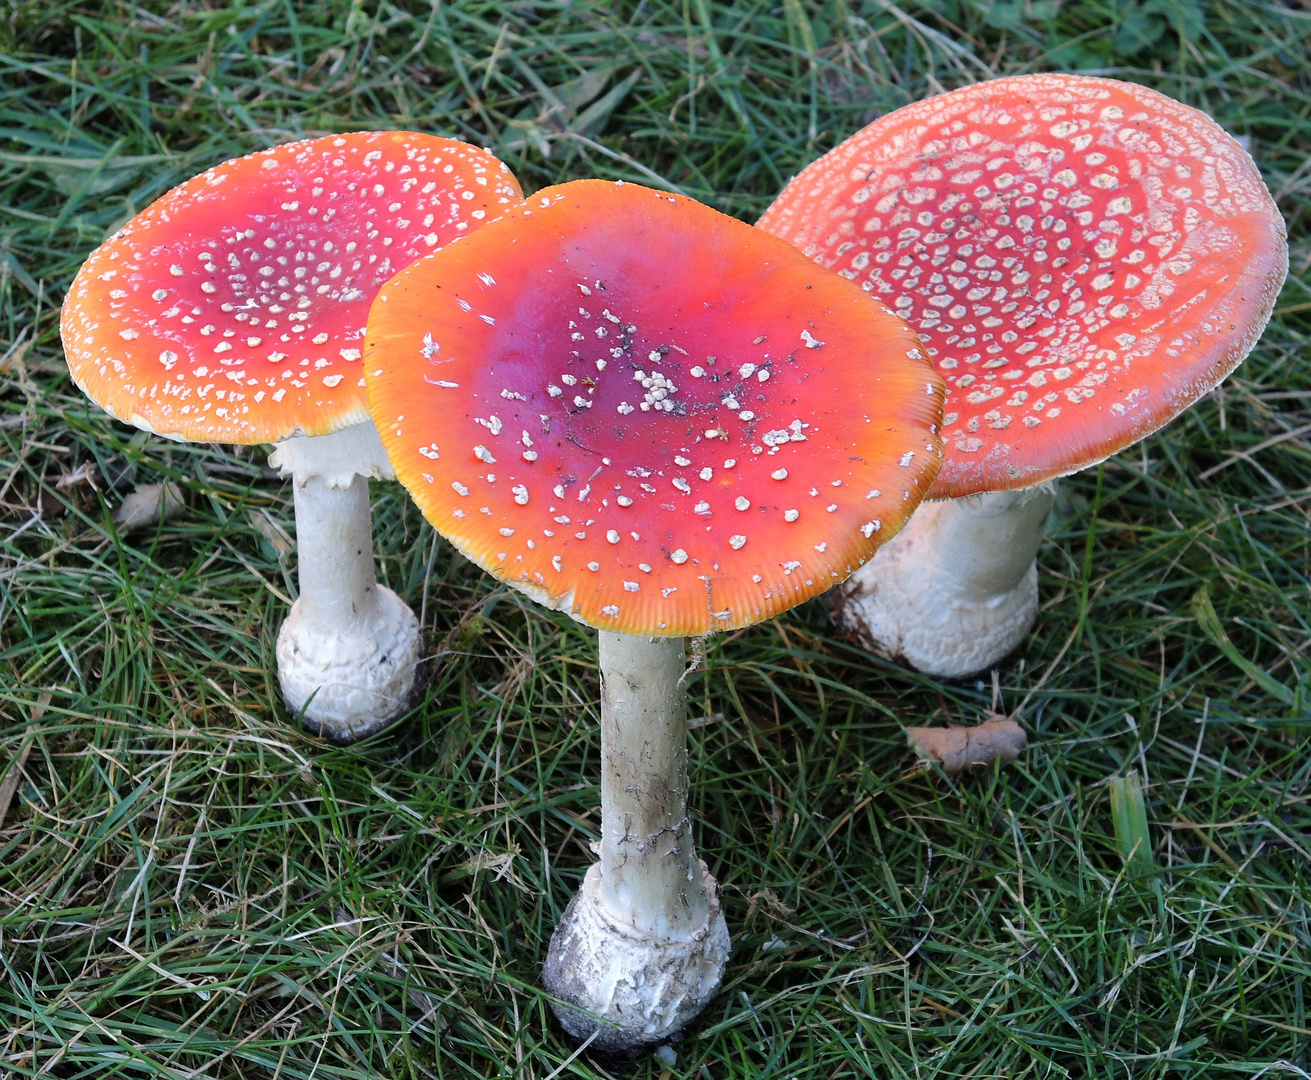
647 414
233 308
1084 258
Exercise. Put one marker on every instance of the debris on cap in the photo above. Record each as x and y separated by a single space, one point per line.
647 414
1084 258
233 308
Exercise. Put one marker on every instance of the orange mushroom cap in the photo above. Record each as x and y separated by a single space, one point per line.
233 308
647 414
1084 258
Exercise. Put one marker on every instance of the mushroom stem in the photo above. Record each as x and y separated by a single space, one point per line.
334 554
648 864
348 652
957 588
642 946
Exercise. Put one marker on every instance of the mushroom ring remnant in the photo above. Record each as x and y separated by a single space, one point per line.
662 422
1084 259
233 310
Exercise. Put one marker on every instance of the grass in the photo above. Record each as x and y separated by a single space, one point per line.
191 887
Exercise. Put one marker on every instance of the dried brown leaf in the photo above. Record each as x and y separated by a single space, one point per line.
958 748
142 505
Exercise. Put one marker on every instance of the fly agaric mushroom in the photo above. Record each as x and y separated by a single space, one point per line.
233 310
662 422
1084 259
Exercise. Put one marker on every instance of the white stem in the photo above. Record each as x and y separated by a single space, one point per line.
650 875
348 652
957 589
642 946
334 554
984 545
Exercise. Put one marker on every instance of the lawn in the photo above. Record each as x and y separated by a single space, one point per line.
190 886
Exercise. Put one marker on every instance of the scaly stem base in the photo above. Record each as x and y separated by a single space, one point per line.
625 989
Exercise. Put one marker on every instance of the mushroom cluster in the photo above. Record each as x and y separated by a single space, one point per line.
662 422
1084 259
233 310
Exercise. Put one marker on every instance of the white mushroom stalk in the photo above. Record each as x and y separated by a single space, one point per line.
1084 259
349 651
956 590
643 944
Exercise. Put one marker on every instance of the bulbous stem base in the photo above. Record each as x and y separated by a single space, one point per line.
626 988
350 682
